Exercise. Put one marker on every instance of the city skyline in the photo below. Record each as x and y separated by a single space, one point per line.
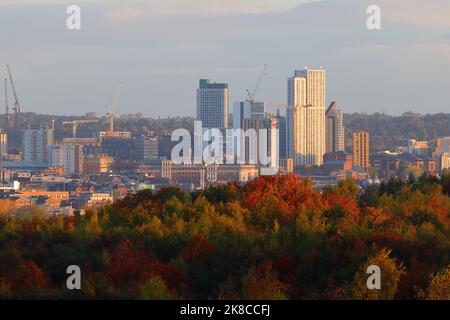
202 44
218 151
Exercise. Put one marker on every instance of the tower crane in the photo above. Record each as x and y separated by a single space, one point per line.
252 94
112 106
6 101
16 108
76 123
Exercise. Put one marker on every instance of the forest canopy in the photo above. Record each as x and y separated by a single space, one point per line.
273 238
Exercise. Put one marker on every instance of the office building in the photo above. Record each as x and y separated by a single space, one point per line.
67 156
35 143
98 163
335 131
212 104
361 149
442 153
306 117
165 146
418 147
119 148
247 110
146 148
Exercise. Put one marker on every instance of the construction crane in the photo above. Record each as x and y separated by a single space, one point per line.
76 123
16 107
111 108
252 94
6 101
17 110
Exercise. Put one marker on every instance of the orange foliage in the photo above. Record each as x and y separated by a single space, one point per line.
345 203
293 195
7 207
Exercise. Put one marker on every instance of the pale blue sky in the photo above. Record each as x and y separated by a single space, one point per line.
160 48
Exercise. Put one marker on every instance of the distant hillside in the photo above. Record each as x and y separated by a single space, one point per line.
137 124
388 131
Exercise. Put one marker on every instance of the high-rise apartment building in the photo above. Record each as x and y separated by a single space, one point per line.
67 156
306 117
361 151
212 104
3 142
282 132
247 110
35 143
335 130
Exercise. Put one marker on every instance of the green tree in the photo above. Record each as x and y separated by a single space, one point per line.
155 289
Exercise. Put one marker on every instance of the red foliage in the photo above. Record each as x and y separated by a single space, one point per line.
343 202
128 264
293 195
416 277
196 248
29 278
171 275
286 264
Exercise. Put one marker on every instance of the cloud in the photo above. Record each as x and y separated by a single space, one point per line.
157 45
418 13
130 10
45 2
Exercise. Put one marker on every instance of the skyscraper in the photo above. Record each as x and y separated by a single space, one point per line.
335 131
247 110
35 143
361 149
212 104
282 131
306 117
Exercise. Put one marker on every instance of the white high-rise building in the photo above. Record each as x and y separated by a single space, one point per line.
306 117
212 104
69 156
35 143
3 142
335 130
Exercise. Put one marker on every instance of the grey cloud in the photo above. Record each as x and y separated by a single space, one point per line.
155 57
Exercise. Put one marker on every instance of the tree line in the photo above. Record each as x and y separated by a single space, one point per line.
273 238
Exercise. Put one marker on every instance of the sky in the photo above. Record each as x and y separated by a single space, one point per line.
159 49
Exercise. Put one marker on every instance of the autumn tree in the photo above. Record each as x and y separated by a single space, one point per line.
261 283
439 286
391 272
